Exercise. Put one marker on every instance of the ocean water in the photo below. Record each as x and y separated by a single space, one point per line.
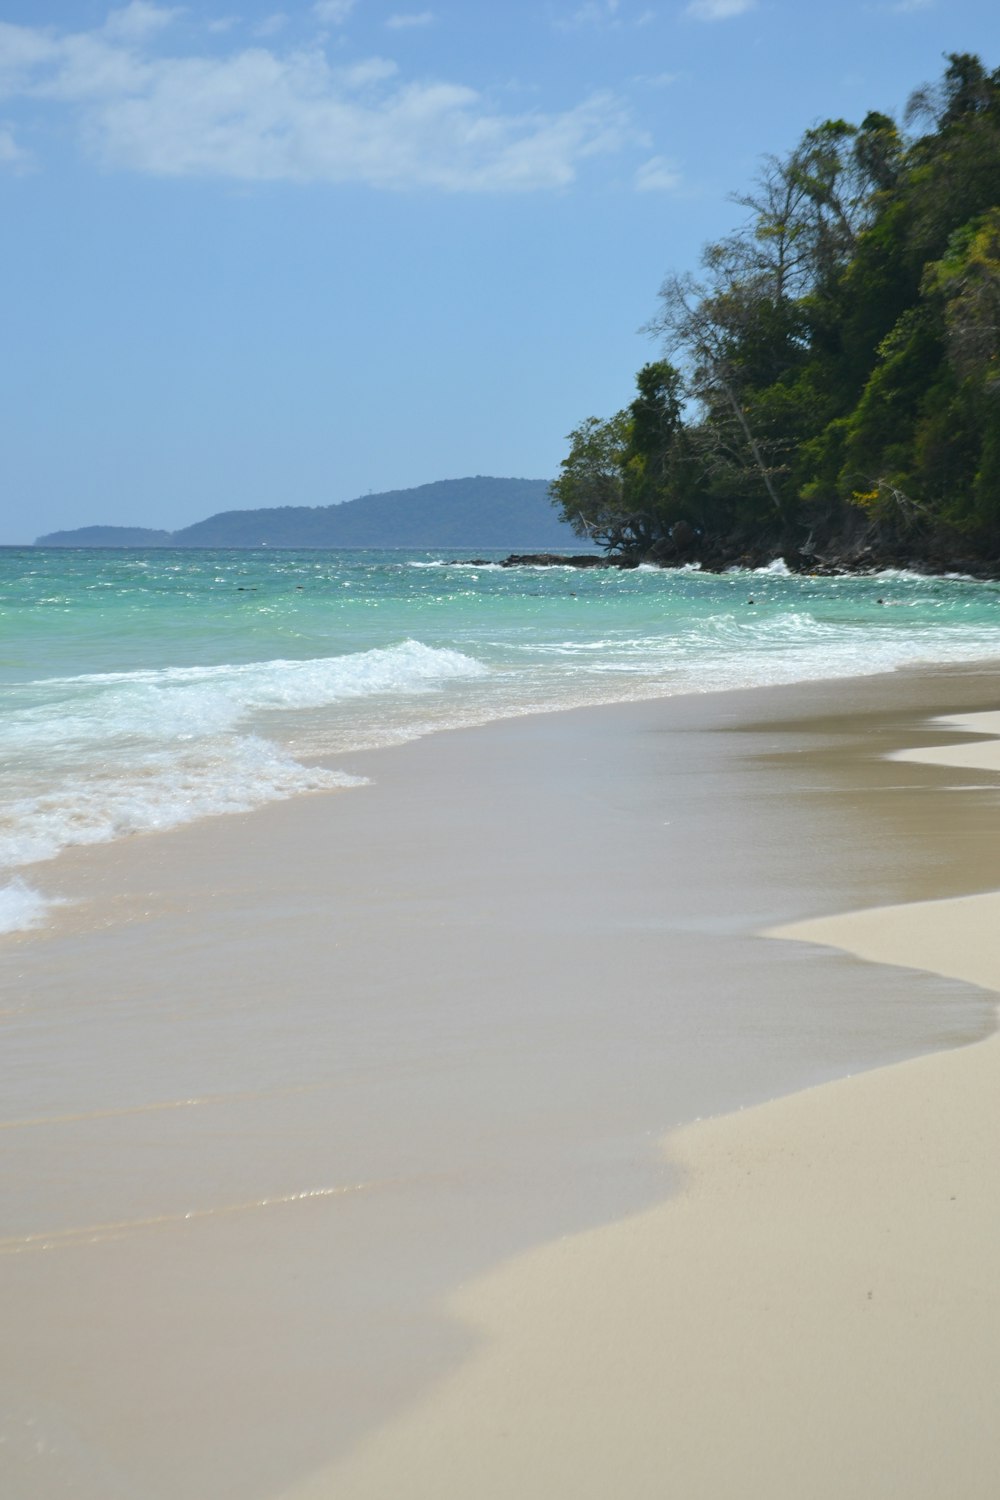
141 690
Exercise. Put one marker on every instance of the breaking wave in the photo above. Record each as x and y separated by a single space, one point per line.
103 756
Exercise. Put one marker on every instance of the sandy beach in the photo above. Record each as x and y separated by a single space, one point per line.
349 1144
814 1313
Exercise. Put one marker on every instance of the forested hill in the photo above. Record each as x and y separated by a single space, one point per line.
480 512
831 385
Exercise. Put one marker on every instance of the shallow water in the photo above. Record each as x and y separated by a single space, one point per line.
142 690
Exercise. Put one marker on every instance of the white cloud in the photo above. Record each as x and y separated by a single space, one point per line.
372 70
72 69
13 158
718 10
409 18
271 25
591 13
333 12
22 50
261 115
601 15
221 25
657 175
139 20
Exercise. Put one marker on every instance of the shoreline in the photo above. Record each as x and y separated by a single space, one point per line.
34 912
814 1311
748 558
479 850
233 724
759 559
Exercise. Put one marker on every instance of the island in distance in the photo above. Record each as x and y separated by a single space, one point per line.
479 512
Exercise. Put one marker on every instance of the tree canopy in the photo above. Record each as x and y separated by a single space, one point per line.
832 372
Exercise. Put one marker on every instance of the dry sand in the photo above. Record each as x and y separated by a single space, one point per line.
815 1313
281 1090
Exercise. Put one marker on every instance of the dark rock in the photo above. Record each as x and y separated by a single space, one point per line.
569 560
683 536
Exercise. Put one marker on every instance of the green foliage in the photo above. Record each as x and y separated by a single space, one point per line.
967 281
590 488
660 478
627 481
841 350
881 429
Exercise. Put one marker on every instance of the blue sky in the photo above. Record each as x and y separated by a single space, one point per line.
257 254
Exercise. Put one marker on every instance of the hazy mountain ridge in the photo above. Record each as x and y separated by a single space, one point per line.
106 536
479 511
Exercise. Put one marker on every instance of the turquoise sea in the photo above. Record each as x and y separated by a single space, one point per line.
141 690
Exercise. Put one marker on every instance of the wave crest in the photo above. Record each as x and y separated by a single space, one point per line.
181 702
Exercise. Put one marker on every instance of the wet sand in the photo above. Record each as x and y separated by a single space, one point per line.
815 1312
278 1086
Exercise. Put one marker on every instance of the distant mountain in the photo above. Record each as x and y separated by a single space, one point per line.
452 513
107 536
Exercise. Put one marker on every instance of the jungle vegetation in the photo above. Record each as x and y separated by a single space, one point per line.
830 382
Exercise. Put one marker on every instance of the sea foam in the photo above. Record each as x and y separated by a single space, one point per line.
22 907
180 702
111 754
155 792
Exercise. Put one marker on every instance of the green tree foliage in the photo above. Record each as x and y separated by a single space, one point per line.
628 481
835 364
590 488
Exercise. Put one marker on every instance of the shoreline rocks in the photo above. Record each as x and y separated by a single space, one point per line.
752 560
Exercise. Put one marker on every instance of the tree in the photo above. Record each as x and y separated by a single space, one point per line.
966 89
707 324
810 208
626 481
967 278
660 480
590 487
837 356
